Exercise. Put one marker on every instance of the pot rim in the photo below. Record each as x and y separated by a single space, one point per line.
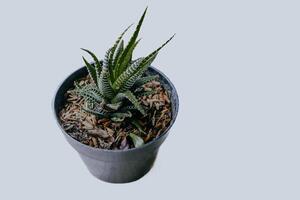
174 116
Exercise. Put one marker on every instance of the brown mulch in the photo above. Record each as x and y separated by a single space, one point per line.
106 134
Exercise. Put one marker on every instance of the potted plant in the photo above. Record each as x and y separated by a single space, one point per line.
116 112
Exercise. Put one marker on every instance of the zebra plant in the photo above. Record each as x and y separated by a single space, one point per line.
117 80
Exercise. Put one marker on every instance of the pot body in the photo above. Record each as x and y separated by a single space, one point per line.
116 166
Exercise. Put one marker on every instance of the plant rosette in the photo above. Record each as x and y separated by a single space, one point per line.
116 112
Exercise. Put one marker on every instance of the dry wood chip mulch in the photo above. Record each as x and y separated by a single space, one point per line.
106 134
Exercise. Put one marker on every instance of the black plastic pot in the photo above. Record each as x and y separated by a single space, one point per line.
116 166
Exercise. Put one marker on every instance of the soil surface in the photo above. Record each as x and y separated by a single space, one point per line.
106 134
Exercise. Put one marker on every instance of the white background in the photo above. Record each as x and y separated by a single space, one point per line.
236 68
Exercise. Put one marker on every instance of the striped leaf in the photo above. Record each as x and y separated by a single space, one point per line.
130 96
130 81
118 41
154 53
127 74
97 62
90 88
89 95
104 84
126 60
95 112
132 73
113 49
106 61
118 53
132 41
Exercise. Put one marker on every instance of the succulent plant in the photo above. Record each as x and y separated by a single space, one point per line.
117 80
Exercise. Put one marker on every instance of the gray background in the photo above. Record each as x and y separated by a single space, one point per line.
235 65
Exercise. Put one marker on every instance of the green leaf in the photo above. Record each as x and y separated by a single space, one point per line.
112 53
132 73
126 75
106 62
137 140
91 70
154 53
97 62
104 84
91 88
95 112
126 60
132 42
132 76
117 56
130 96
89 92
129 76
118 41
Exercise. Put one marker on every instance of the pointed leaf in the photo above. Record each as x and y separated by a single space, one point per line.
154 53
132 40
97 62
91 70
132 73
118 41
112 53
126 60
118 53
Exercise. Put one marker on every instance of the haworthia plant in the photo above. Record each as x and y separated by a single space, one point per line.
116 79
